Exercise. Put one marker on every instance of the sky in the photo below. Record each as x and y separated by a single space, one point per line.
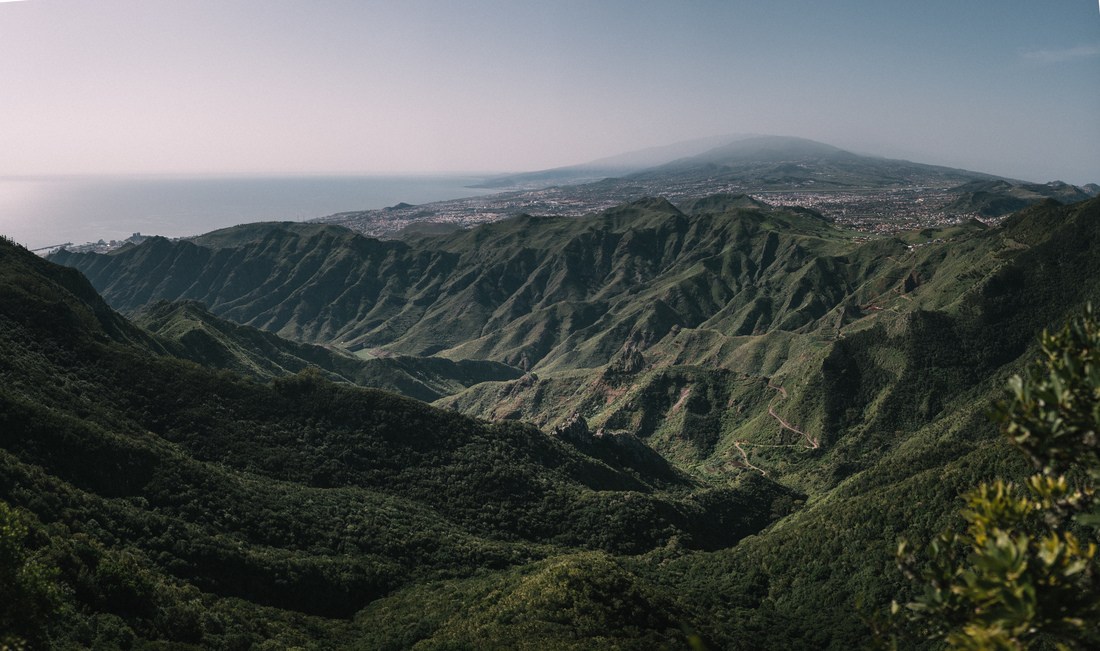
369 87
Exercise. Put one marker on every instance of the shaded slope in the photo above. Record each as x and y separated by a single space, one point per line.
303 281
159 485
216 343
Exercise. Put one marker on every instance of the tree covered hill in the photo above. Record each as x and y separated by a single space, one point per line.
190 504
758 349
680 325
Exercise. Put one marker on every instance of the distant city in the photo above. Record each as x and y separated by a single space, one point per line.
873 210
877 196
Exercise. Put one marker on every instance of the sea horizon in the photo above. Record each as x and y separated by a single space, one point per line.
41 211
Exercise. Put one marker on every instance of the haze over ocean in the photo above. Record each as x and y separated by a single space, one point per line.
43 211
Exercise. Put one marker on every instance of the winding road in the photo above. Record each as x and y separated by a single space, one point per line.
811 442
745 456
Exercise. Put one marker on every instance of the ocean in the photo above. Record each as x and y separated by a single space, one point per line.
45 211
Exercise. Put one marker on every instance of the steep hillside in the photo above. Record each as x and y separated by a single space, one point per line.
834 385
698 329
900 409
216 343
184 504
532 292
784 401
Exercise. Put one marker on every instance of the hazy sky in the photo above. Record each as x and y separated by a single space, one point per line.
323 86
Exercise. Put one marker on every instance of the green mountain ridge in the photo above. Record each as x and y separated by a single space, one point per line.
531 292
182 503
216 343
824 390
645 318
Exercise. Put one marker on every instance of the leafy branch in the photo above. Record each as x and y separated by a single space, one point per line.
1023 571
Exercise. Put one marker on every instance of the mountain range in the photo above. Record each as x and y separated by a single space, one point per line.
868 192
183 503
703 423
999 197
661 424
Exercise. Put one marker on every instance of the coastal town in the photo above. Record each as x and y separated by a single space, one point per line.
872 210
100 246
918 202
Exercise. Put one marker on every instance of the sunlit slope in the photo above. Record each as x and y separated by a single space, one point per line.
814 404
536 293
902 408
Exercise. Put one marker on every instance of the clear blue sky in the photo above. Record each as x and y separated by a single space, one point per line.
322 86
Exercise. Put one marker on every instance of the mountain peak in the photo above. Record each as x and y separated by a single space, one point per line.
766 149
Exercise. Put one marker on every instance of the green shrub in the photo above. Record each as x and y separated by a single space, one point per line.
1023 571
